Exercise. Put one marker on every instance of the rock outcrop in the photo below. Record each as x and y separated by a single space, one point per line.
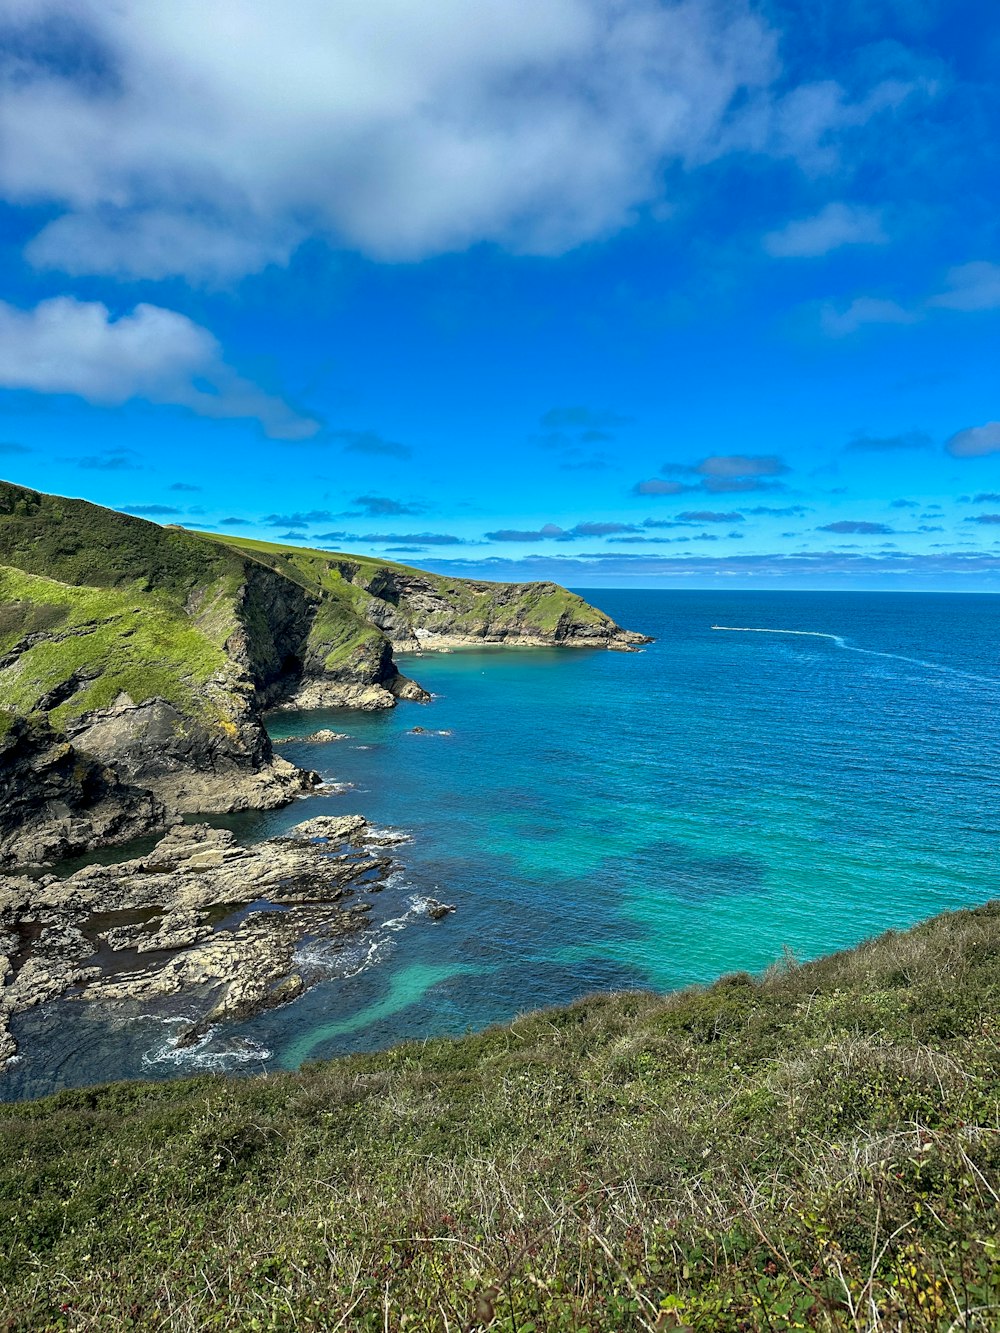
155 919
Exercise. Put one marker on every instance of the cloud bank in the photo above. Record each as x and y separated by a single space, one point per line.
209 140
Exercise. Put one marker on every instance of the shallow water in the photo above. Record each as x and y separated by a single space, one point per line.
605 820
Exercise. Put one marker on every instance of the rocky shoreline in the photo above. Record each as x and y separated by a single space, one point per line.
198 916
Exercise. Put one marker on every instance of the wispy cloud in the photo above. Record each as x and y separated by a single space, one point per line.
296 520
585 419
883 444
552 532
112 460
382 538
836 225
974 286
658 486
382 506
970 287
859 526
862 311
368 442
719 474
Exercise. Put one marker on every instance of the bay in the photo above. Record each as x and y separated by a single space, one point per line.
609 820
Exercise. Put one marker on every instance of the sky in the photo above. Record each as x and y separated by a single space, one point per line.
616 292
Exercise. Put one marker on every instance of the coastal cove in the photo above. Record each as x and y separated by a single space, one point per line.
606 821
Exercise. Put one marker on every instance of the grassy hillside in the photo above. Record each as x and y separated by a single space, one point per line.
817 1149
83 544
86 646
94 603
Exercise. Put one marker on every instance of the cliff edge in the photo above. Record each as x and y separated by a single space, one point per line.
137 661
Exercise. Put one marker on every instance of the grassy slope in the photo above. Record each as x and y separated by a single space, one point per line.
107 595
111 641
817 1149
79 543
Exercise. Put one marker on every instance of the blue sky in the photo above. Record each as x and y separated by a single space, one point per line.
609 291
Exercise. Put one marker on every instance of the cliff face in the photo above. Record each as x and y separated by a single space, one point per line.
55 801
141 659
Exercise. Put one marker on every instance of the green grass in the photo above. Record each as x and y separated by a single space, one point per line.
97 643
80 543
815 1149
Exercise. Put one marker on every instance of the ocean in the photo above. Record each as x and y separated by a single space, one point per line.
601 821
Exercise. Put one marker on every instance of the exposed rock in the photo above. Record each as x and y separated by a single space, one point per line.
337 694
438 911
321 737
56 802
271 896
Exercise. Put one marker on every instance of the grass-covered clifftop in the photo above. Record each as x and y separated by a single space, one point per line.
422 609
816 1149
155 651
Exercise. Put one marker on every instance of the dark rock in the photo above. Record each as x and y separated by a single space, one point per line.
56 802
438 911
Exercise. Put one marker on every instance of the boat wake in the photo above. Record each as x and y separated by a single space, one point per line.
799 633
867 652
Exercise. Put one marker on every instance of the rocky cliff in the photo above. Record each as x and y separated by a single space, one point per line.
136 662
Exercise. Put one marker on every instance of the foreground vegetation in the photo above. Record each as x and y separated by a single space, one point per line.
818 1148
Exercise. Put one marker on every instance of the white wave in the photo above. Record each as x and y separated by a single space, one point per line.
387 837
868 652
200 1055
337 961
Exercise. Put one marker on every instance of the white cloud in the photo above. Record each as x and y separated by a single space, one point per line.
974 286
861 311
976 441
208 139
76 347
833 226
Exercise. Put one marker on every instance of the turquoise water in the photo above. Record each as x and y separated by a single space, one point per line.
605 820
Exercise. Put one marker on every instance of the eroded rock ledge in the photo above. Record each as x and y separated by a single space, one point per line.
199 914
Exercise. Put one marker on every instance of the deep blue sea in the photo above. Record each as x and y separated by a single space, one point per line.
611 820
